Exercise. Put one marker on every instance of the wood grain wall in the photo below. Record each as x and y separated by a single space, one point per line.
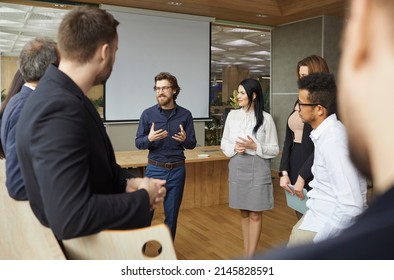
9 66
8 69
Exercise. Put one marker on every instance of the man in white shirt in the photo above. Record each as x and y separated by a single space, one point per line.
338 194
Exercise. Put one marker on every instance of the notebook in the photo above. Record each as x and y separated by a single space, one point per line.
294 202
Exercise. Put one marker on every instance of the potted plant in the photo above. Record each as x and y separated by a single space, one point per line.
233 100
233 103
3 96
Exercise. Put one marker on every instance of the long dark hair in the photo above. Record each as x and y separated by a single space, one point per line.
253 86
15 87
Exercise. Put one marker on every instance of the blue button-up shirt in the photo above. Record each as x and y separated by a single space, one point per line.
167 149
14 181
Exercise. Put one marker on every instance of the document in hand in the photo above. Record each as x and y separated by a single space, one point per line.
294 202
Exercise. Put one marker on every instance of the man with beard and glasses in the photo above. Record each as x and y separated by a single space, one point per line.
167 129
67 161
366 98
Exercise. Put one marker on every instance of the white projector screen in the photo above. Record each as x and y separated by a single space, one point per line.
150 44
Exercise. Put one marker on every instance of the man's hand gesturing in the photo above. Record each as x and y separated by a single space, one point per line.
155 135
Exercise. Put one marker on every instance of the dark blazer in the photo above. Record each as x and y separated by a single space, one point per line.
307 147
68 164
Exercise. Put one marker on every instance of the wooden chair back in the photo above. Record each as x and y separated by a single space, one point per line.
121 245
22 237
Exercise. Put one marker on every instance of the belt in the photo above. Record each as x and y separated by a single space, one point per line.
167 165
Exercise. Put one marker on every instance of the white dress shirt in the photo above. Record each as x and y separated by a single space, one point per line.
338 192
240 123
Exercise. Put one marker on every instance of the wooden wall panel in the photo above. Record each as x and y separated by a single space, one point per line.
8 69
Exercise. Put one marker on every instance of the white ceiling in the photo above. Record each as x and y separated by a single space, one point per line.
20 23
247 48
231 45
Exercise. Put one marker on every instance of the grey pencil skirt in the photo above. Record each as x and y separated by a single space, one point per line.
250 183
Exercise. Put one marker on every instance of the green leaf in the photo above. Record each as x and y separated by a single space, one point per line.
233 100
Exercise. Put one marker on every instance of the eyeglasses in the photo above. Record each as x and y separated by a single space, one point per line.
299 104
159 89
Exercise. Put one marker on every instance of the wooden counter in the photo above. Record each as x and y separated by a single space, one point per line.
206 178
139 158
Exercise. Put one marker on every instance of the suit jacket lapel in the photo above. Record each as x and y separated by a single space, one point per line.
99 123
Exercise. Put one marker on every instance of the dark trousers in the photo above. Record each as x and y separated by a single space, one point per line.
175 184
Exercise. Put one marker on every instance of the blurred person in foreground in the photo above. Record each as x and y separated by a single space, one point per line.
73 182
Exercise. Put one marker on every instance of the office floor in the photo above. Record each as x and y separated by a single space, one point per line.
214 232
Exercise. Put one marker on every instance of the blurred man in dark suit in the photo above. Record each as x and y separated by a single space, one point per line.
67 161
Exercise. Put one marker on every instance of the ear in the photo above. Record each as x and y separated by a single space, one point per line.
104 51
357 35
254 96
321 111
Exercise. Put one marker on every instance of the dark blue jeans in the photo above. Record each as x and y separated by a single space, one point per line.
175 185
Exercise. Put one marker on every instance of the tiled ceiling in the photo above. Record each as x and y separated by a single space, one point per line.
21 23
246 45
231 45
242 47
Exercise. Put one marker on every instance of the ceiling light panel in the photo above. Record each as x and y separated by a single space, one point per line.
21 23
239 42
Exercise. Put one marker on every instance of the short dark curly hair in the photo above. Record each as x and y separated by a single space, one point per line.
322 90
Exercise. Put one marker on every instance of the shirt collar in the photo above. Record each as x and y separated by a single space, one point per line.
29 86
158 107
315 134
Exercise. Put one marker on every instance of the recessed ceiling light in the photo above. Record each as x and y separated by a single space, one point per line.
215 49
261 16
239 42
251 59
224 63
241 30
174 3
260 53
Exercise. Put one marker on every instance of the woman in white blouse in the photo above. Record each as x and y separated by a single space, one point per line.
250 140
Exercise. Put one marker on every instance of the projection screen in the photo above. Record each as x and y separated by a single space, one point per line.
151 42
